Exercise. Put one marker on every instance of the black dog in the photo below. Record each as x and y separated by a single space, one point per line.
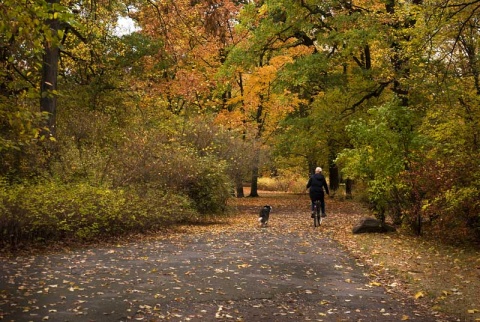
264 215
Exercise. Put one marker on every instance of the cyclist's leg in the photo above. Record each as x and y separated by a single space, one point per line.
322 206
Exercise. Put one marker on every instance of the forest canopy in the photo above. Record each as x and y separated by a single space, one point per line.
103 133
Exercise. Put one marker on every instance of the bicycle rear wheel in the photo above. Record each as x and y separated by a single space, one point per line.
317 220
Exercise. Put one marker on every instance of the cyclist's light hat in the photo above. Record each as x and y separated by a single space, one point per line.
318 169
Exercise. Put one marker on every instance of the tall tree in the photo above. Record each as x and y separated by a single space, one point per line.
48 84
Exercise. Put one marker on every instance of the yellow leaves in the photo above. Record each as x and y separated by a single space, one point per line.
405 318
263 10
280 61
245 265
75 288
419 295
299 51
473 311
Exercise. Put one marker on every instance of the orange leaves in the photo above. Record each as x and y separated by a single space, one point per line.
258 103
244 265
193 36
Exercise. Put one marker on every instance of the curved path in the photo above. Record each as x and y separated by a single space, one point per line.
233 271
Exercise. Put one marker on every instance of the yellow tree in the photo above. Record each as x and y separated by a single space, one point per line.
252 75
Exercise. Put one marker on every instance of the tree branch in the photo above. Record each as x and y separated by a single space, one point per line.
375 93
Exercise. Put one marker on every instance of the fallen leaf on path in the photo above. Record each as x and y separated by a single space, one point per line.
419 294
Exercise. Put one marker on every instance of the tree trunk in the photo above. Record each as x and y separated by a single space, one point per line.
254 184
418 224
48 100
239 188
334 177
348 188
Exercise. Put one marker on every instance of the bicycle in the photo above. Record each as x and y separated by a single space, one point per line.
317 219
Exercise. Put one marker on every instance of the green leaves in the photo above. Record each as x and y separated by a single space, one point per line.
57 212
384 145
385 139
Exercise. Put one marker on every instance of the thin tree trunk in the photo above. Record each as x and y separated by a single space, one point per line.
348 188
239 188
254 184
48 100
334 177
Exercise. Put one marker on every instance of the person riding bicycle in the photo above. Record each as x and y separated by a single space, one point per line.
317 183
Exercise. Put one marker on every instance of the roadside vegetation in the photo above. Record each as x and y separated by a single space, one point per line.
105 134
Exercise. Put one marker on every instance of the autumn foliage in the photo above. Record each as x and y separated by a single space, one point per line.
206 97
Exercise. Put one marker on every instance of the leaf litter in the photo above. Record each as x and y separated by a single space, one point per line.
230 270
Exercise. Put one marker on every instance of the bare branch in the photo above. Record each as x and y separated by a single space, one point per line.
375 93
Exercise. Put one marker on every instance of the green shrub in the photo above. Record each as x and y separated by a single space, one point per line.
52 212
172 167
207 186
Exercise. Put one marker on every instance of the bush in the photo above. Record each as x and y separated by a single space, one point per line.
53 212
103 182
459 213
179 169
208 187
287 182
268 184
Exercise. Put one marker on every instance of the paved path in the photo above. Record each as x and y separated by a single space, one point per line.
215 274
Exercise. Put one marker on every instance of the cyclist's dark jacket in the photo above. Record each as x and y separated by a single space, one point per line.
317 183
